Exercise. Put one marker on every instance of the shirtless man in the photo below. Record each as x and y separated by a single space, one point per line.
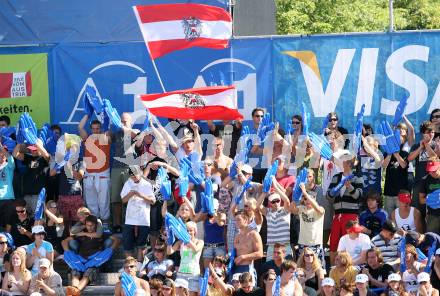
248 245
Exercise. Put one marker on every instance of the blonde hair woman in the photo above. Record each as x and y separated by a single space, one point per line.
310 263
343 272
17 278
142 286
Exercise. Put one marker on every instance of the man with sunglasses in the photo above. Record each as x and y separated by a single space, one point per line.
20 225
257 150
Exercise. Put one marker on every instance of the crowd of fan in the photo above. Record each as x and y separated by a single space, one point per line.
258 240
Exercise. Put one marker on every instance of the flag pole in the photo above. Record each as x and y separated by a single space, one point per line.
231 4
148 48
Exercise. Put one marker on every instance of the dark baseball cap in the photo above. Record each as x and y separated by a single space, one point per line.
390 226
412 238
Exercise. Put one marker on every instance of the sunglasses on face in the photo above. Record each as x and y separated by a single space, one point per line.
208 163
3 243
333 119
259 116
130 266
296 122
275 201
21 212
436 117
308 255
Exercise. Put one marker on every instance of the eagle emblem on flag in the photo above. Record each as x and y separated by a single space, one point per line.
192 28
193 101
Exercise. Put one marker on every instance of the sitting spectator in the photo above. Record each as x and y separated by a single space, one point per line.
160 265
168 288
54 227
387 241
86 245
422 241
343 272
307 290
355 242
328 287
311 265
435 270
38 249
216 280
17 279
374 216
289 285
47 282
279 255
347 290
268 276
181 287
425 287
362 286
376 270
20 226
413 268
138 195
155 286
405 216
190 254
395 286
142 286
4 255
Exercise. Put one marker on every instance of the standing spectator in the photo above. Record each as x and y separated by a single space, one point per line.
374 216
333 124
229 132
387 241
376 270
429 184
370 165
97 163
17 278
345 201
46 282
189 268
37 168
122 139
435 119
405 216
396 177
38 250
70 193
310 263
20 225
142 286
355 242
311 216
7 166
256 155
343 272
221 162
138 195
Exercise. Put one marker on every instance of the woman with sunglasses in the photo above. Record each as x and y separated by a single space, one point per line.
311 266
333 124
142 286
268 276
16 281
301 276
395 286
38 249
160 265
54 227
20 225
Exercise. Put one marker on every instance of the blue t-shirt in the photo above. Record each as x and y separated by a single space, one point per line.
44 249
373 221
6 176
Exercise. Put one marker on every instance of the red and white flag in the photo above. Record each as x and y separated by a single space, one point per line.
169 27
206 103
15 84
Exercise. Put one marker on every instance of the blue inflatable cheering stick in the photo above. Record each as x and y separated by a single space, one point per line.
165 183
305 119
178 229
431 253
324 125
39 209
402 249
301 179
400 110
231 256
357 136
271 172
94 102
112 114
245 187
207 198
204 283
277 290
183 178
128 284
335 190
321 145
392 138
265 126
28 129
433 199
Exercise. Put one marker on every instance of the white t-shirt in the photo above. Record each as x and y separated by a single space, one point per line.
311 224
138 210
354 246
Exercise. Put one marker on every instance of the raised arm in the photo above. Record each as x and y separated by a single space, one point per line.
82 132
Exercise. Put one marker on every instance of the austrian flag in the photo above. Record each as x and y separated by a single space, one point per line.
169 27
206 103
15 84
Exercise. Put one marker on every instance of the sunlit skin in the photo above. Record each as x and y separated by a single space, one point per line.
394 285
96 128
126 120
184 212
257 117
3 245
328 290
188 146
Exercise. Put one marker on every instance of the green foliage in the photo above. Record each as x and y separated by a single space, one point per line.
337 16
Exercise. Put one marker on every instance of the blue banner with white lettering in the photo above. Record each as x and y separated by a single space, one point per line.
120 71
342 72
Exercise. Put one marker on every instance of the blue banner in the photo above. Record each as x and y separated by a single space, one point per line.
342 72
120 71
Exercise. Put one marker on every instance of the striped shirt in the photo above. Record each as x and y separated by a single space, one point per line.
389 250
346 202
278 226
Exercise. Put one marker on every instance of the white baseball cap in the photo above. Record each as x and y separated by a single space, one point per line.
394 277
181 283
437 252
423 277
236 277
361 278
37 229
328 282
247 168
